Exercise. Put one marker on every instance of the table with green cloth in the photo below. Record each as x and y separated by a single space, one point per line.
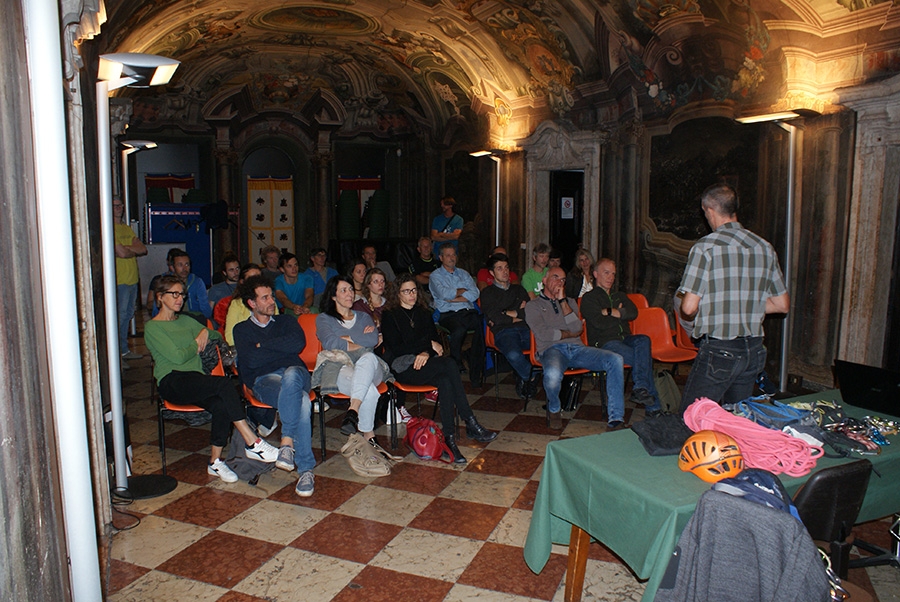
608 488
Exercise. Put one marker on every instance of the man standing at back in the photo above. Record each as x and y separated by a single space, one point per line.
731 281
270 366
128 248
447 226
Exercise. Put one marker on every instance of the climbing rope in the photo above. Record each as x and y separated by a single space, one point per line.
762 448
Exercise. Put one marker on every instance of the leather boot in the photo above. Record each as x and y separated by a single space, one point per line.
458 458
477 432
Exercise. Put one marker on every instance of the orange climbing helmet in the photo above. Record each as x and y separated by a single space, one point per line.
711 455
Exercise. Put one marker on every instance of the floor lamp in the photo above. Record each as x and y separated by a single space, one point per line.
116 71
780 119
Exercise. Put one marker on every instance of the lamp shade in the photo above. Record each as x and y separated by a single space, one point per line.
142 69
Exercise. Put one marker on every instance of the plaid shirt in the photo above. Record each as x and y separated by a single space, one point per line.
733 271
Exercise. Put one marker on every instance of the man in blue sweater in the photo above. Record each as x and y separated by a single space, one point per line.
268 349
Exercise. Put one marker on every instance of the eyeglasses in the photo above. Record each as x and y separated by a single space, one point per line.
409 291
176 294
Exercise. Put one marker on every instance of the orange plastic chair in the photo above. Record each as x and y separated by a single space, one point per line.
653 322
162 404
491 347
639 300
682 340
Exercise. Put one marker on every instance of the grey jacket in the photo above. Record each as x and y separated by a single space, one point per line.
546 320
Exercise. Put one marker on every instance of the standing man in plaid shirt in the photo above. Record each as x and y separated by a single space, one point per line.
731 281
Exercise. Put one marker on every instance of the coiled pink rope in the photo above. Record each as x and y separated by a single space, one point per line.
761 447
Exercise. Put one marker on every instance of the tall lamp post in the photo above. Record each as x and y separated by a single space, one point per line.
781 119
116 71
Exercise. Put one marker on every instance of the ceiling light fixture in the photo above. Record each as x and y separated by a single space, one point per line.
782 116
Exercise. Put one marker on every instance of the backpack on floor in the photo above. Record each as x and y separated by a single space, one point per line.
245 468
425 438
669 394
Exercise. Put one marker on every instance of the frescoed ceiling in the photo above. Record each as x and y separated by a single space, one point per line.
391 67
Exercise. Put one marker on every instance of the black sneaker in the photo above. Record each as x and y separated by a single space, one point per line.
641 396
351 423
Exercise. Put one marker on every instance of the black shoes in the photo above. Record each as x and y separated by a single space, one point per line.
477 432
642 397
350 423
458 458
525 389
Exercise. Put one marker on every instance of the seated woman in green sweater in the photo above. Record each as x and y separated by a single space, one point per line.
176 341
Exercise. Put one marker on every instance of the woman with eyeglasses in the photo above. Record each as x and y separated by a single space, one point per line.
176 342
412 343
347 363
373 304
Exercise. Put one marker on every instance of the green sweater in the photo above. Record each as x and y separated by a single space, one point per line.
173 345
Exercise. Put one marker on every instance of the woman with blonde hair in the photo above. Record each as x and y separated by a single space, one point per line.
581 277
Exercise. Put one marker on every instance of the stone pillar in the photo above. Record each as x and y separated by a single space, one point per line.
873 219
628 207
322 162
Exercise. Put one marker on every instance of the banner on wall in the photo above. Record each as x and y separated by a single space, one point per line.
168 188
270 214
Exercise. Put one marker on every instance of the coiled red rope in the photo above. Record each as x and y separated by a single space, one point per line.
761 447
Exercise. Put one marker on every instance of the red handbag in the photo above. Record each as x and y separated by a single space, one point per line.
425 438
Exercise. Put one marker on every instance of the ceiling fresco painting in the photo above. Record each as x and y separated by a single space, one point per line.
390 68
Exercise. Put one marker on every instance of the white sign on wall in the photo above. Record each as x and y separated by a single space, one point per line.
567 208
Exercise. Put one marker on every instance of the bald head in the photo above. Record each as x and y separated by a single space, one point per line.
554 283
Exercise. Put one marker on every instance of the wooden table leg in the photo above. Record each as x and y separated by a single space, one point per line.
579 541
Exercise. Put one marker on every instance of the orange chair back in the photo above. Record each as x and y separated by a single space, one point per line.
653 322
313 345
682 339
639 300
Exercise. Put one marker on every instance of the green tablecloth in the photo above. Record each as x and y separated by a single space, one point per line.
637 505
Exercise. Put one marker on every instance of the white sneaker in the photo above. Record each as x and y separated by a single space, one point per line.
221 470
405 416
266 431
262 451
317 405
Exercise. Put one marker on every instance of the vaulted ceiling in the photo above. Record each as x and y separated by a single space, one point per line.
423 67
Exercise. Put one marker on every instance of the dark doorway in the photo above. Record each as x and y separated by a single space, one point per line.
566 213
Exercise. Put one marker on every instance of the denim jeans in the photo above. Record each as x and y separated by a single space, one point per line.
561 356
512 342
635 351
724 371
361 382
126 297
287 390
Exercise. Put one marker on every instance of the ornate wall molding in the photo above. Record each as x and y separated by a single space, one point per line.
559 145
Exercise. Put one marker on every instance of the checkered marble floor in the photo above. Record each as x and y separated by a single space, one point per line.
429 531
